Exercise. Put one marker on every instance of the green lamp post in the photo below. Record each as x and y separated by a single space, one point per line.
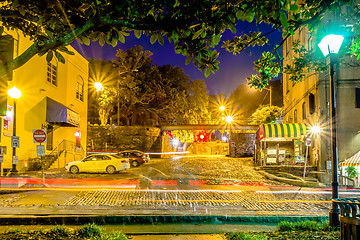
330 46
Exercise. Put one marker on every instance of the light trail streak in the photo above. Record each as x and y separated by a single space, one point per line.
308 192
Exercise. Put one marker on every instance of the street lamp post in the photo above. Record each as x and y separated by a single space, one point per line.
14 93
330 45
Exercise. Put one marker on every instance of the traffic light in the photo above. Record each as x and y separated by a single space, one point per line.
203 136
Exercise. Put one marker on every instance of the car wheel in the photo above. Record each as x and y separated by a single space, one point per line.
74 169
135 163
110 169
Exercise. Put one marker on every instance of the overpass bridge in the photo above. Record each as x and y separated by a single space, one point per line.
220 127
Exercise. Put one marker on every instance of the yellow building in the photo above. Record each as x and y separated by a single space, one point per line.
309 102
54 98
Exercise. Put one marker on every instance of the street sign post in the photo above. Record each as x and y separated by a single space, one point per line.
14 141
308 144
40 150
39 136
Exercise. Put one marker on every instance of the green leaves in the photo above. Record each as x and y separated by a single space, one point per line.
156 36
137 33
283 19
294 7
267 68
49 56
59 57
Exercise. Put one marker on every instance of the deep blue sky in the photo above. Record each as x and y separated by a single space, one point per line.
233 69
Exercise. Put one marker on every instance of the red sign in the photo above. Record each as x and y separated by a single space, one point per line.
39 135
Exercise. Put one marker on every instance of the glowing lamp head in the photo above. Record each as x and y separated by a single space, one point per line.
202 136
224 139
331 44
98 86
229 119
222 108
175 142
315 129
14 92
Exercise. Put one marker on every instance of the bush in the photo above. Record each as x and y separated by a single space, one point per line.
89 230
244 236
60 231
309 230
304 226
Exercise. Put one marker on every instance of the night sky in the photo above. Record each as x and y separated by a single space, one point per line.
233 69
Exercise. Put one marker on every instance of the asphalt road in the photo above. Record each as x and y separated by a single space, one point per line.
196 184
181 169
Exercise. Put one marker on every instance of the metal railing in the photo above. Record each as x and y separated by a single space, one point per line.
53 156
349 217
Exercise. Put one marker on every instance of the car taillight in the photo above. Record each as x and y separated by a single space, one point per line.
125 161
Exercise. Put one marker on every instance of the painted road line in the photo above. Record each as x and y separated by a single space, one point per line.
164 182
161 172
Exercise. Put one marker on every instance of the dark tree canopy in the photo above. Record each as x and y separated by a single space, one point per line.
139 93
194 26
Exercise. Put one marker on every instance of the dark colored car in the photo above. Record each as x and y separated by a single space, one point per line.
135 157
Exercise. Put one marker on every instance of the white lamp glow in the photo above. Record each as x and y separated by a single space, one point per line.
14 92
229 119
174 142
331 44
98 86
315 129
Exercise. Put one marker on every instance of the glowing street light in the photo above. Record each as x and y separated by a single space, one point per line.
315 129
175 142
229 119
222 108
98 86
330 45
15 94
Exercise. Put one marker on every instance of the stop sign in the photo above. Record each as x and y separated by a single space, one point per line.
39 135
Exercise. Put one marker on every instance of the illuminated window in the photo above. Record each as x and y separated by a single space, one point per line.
52 74
80 91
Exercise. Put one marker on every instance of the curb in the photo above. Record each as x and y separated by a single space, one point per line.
290 181
153 219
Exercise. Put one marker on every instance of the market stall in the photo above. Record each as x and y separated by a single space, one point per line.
280 144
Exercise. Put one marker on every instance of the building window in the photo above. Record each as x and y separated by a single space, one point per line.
295 116
357 97
80 91
304 110
311 103
52 74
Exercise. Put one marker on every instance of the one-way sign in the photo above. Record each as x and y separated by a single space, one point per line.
39 135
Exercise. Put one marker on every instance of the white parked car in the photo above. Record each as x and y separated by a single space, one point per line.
99 163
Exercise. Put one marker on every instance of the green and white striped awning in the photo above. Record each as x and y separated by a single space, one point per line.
292 130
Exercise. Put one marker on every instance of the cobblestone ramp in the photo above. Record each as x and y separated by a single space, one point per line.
248 200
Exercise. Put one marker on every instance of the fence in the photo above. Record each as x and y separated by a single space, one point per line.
349 217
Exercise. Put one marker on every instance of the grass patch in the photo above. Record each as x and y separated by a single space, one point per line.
291 230
60 232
